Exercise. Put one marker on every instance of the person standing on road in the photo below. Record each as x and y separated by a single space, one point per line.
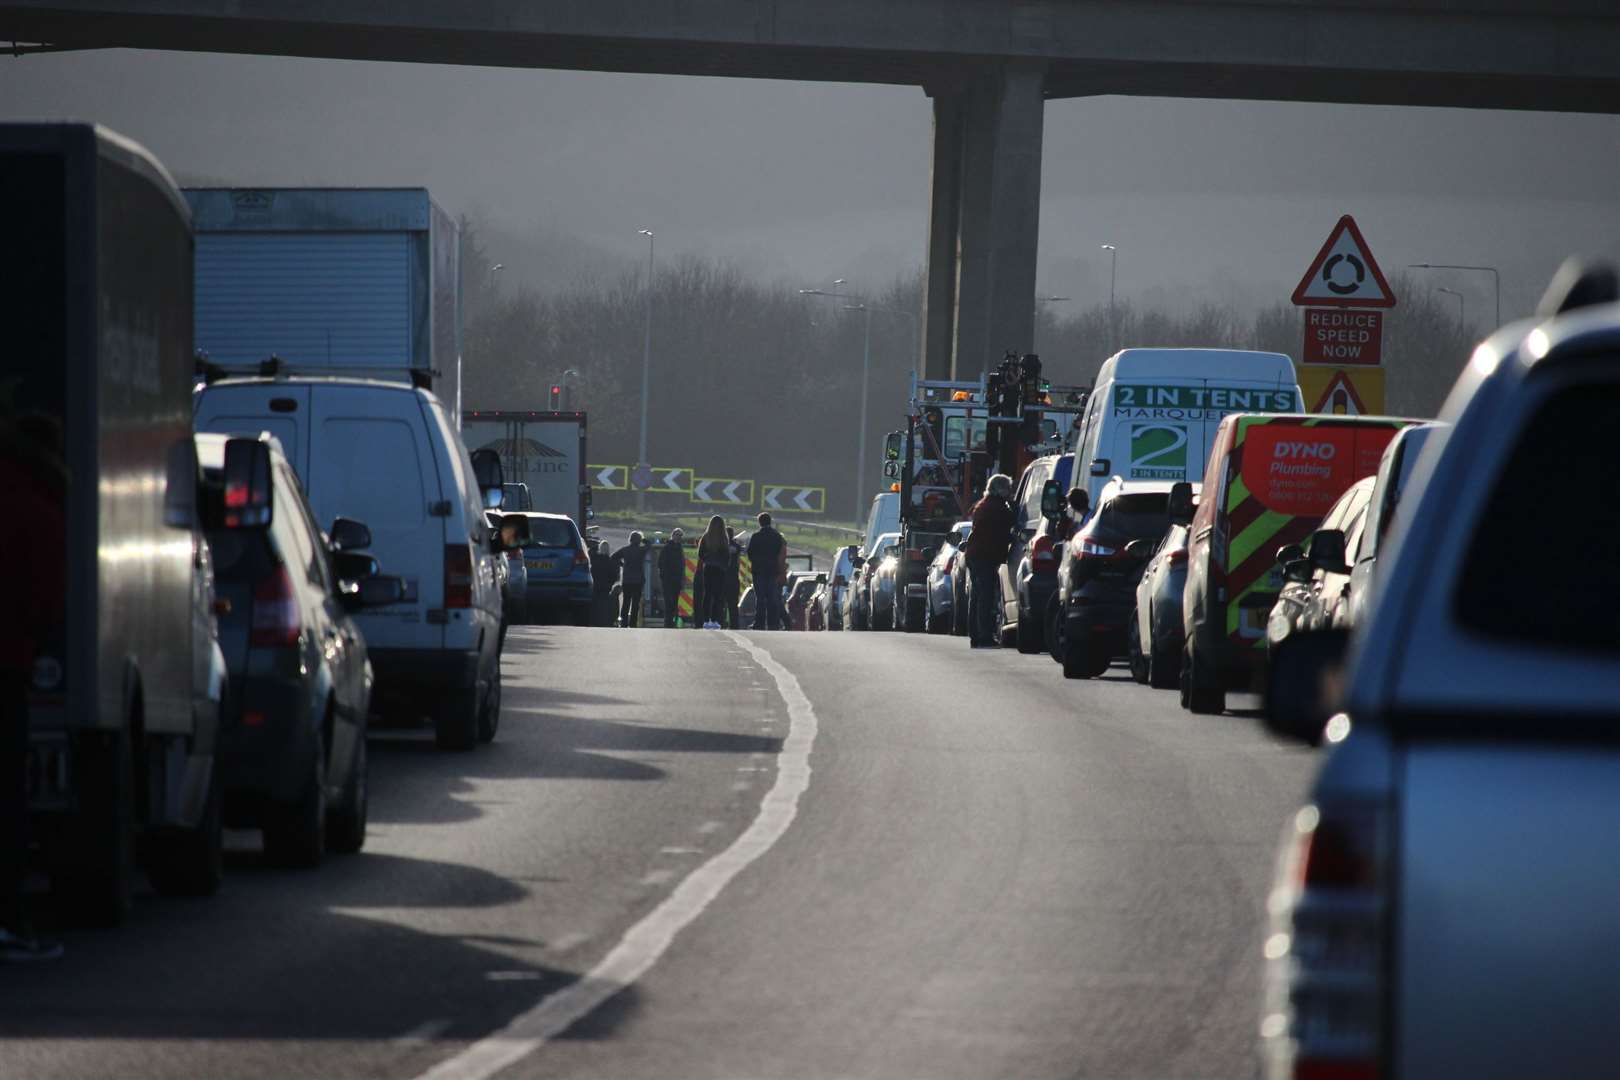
733 578
766 554
603 574
986 550
672 575
714 559
632 563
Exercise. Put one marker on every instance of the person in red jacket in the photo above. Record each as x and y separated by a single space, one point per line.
986 550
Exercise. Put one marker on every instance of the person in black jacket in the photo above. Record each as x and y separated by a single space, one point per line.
603 574
631 561
733 580
672 575
766 554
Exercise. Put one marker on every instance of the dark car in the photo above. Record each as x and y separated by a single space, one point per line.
1097 580
1029 577
800 603
831 598
559 568
292 740
1156 639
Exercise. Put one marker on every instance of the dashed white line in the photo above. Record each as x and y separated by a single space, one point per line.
658 877
647 940
568 941
680 851
741 785
422 1034
709 827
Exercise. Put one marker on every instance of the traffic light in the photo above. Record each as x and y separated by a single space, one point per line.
556 397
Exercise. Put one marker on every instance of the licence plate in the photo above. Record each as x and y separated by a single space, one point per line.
543 564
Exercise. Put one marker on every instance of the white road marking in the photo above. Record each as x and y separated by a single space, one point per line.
741 785
568 941
658 877
423 1034
680 851
709 827
645 942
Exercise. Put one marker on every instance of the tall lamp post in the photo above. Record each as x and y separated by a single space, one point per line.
1496 277
1460 305
1113 273
866 368
646 369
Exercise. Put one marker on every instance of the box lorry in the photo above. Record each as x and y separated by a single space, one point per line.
113 631
344 281
543 450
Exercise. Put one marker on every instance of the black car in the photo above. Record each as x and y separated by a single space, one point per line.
1102 563
292 738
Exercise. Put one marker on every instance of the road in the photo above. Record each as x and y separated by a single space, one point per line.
986 871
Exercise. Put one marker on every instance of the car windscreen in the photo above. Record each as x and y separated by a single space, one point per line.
550 532
804 589
1141 516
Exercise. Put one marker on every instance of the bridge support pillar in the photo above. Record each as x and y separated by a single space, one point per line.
984 221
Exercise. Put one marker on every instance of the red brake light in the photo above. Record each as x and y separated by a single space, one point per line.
276 622
1041 551
581 559
1176 556
1090 547
458 572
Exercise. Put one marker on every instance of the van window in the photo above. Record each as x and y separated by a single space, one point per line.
963 435
1029 508
378 478
1559 485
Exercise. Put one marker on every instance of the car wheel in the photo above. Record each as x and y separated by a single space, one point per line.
1030 640
1055 640
1077 663
295 835
1195 698
1006 634
346 824
1133 651
1162 665
190 862
455 723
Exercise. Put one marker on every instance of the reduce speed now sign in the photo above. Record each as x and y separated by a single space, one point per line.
1343 336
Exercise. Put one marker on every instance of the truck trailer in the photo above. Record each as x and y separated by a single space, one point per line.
544 451
349 281
111 630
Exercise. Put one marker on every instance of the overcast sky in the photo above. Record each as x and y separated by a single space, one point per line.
1207 200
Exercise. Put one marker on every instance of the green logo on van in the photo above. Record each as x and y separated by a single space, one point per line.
1158 452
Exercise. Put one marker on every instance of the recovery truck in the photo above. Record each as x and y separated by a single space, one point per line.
956 435
544 450
107 564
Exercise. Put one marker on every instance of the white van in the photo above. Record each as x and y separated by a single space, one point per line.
1152 414
883 517
389 454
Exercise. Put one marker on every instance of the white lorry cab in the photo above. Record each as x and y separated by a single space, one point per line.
1152 414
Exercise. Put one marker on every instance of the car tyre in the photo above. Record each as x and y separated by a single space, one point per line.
1055 640
295 836
1133 650
1162 666
489 718
346 824
1030 638
1195 698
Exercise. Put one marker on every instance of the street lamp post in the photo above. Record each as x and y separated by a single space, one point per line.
1496 277
866 368
646 368
1113 319
1460 305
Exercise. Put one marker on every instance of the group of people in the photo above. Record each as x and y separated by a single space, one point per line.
716 586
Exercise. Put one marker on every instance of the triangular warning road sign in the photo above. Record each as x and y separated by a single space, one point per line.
1339 397
1344 273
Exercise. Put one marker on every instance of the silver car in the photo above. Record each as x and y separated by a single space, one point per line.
1445 903
1155 639
947 589
882 570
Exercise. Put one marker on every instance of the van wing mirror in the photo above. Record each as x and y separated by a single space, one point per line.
1051 500
1181 503
1289 553
248 500
491 477
347 534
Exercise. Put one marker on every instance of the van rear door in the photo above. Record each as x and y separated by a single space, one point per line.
248 409
376 465
1164 428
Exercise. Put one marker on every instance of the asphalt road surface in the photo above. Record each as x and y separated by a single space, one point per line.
699 854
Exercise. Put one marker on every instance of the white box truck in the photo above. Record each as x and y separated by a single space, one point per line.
345 281
543 451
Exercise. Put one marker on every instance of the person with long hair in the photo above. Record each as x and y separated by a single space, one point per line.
714 556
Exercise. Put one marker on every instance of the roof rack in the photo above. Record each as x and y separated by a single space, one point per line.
274 367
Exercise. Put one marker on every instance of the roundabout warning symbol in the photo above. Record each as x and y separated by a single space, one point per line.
1344 273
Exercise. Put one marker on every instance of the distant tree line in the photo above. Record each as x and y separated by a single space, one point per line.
751 379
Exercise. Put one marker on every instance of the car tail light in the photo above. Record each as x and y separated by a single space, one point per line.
276 621
1090 548
1325 956
581 559
458 576
1176 556
1041 551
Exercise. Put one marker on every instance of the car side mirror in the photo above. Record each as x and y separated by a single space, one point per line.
821 579
354 566
857 561
1299 570
1079 502
491 477
891 470
376 591
1102 467
248 502
1304 684
1051 500
1181 503
1327 551
929 553
1140 550
347 534
1289 554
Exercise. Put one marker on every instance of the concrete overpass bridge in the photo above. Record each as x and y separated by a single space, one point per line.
988 65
